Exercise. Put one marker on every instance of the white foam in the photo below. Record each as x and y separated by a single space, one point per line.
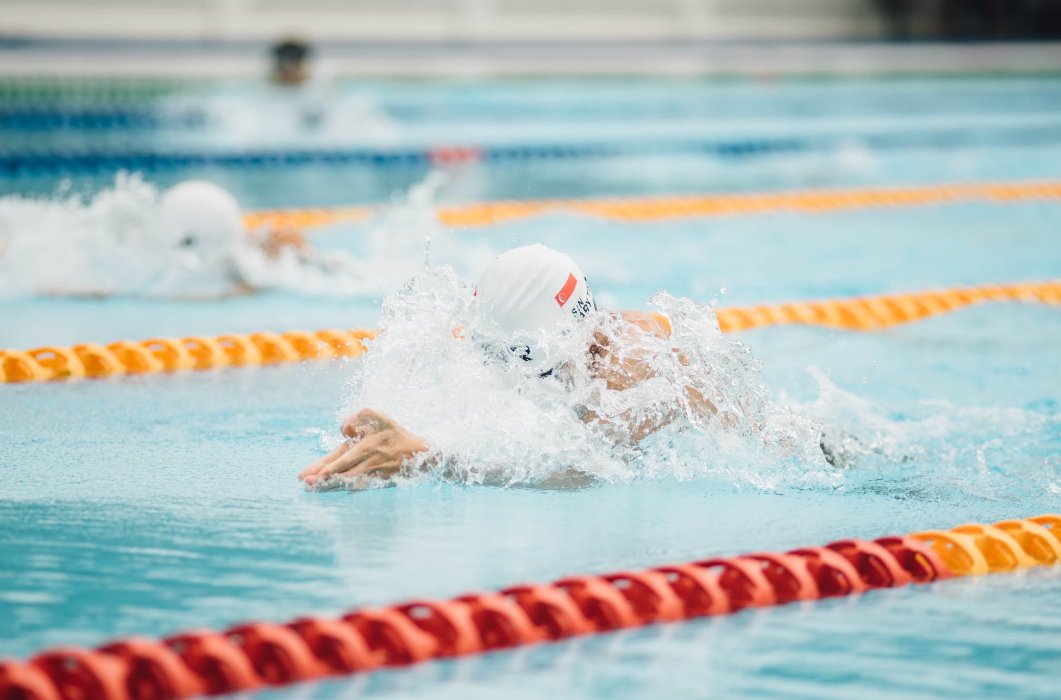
117 243
314 114
70 245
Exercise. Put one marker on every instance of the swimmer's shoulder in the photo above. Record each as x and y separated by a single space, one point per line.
650 322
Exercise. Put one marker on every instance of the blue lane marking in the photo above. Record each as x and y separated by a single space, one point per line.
73 160
97 120
26 114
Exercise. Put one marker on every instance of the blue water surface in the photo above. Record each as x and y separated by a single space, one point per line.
146 505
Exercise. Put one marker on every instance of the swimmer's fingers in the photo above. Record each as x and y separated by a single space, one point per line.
364 423
380 455
378 464
369 448
358 453
369 469
324 461
357 428
315 467
353 429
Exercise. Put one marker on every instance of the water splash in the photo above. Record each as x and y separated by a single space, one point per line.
315 114
72 246
936 448
490 420
404 238
493 419
117 243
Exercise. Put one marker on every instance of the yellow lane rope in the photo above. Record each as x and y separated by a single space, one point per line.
52 362
643 209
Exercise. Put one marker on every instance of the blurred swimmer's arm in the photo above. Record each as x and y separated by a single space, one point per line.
377 449
276 240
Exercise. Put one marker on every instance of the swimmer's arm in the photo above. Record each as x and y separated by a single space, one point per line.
378 447
276 240
635 427
652 323
659 325
632 428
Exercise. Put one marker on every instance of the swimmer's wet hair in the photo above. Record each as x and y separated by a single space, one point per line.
291 50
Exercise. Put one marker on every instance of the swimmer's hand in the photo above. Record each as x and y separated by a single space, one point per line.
280 238
376 448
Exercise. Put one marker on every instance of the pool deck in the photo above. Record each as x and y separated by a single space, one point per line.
460 59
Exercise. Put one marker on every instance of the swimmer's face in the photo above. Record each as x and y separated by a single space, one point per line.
291 73
289 67
567 356
204 245
212 252
597 352
188 241
202 220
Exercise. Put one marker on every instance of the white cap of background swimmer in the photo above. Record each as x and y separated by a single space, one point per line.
532 290
203 216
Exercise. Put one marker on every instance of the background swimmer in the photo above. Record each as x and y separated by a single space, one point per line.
188 243
534 315
205 223
289 58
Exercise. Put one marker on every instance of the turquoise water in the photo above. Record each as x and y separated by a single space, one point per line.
993 117
144 505
756 259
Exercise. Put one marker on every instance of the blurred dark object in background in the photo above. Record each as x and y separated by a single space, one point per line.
289 62
972 20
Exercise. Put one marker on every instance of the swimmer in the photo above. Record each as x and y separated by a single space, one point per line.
190 242
206 228
203 224
311 97
289 62
527 293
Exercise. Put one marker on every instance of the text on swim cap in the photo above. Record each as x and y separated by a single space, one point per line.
583 305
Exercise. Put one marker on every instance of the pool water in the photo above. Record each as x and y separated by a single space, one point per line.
145 505
841 133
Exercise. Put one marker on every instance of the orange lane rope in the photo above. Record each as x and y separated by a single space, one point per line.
306 218
679 206
51 362
885 310
256 655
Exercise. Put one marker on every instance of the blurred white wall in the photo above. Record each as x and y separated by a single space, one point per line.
442 20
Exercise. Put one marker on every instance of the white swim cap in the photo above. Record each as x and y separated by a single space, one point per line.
203 215
532 291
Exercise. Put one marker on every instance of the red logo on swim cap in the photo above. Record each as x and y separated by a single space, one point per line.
565 292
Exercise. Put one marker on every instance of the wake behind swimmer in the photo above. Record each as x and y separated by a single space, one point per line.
524 381
186 243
